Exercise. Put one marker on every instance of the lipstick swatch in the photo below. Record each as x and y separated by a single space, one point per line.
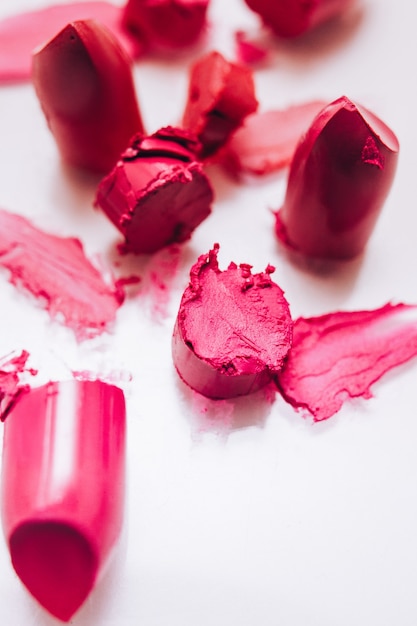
62 496
220 95
157 193
21 34
233 329
339 178
166 23
56 270
340 355
84 83
266 141
291 18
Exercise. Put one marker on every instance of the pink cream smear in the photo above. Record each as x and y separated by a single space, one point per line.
21 34
341 355
56 270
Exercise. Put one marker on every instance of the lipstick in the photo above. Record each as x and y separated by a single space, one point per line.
339 178
233 329
220 95
84 83
157 193
62 488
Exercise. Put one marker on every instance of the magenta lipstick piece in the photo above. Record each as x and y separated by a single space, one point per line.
291 18
157 193
166 23
233 329
339 178
220 95
62 492
84 83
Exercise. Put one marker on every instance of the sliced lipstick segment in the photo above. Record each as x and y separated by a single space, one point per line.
166 23
84 83
291 18
339 178
63 488
220 95
340 355
266 141
157 193
56 271
233 329
21 34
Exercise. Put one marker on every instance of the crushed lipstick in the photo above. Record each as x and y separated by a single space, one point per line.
62 496
233 329
339 178
84 83
166 23
157 193
340 355
220 95
56 270
12 368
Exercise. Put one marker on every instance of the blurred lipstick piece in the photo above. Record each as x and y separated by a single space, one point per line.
84 83
158 193
21 33
339 178
63 488
166 23
291 18
220 95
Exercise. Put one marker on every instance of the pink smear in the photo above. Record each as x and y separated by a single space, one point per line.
340 355
20 34
12 368
266 141
57 270
156 283
249 52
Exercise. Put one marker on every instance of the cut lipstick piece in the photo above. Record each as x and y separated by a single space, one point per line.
266 142
63 488
339 178
291 18
340 355
21 34
233 329
56 270
84 83
220 95
166 23
158 193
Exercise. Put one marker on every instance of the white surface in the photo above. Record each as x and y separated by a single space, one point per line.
281 522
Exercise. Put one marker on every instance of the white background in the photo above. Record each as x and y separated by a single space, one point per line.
263 518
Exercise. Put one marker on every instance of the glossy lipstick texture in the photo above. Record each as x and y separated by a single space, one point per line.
339 179
84 83
62 494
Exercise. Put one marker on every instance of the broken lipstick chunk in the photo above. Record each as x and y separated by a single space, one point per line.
166 23
339 178
233 330
84 83
220 96
292 18
157 193
62 492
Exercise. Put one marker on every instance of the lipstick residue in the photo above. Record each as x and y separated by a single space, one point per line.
56 270
266 141
12 368
340 355
21 34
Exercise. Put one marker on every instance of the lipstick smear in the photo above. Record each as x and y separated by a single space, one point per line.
158 280
21 34
12 368
340 355
56 270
